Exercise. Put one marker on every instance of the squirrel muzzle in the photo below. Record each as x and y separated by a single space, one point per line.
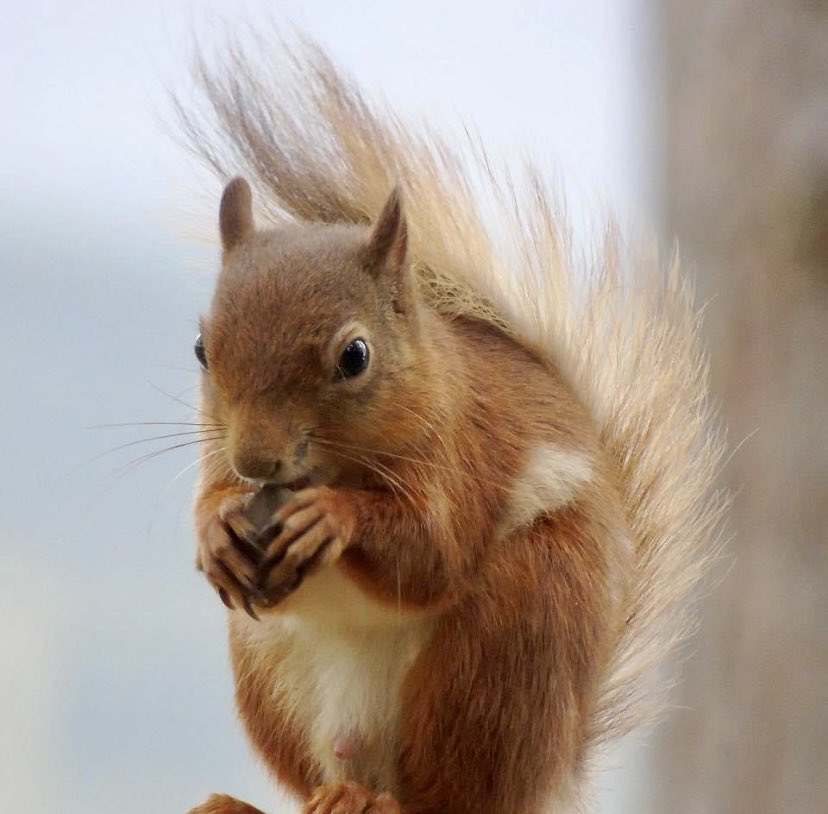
261 451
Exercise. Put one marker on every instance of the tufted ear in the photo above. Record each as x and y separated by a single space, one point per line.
384 254
236 213
386 247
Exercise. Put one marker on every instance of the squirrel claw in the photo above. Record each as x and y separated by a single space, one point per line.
268 564
283 572
248 608
267 535
249 550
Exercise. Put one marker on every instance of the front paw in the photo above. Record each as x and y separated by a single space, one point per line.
227 553
311 531
350 798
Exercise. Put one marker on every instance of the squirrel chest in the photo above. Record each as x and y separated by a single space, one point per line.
335 662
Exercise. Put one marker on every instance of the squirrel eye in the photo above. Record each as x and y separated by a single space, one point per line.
200 353
354 359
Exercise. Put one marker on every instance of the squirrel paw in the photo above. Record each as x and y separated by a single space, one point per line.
228 555
350 798
310 531
223 804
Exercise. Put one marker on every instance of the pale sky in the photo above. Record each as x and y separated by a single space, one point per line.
114 689
82 86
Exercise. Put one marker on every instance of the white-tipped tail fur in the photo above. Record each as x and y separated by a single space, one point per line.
622 328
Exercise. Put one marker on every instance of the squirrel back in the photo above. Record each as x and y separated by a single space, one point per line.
622 333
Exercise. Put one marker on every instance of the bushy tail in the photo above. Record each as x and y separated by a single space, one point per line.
622 329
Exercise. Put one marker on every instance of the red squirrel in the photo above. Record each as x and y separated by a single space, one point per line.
484 502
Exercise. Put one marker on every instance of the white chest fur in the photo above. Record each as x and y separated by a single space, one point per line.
343 660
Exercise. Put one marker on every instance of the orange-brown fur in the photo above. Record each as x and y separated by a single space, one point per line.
503 688
536 628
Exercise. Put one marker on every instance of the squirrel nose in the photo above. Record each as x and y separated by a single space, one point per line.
255 467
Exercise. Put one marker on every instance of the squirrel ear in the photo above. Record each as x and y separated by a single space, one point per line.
385 252
236 213
386 247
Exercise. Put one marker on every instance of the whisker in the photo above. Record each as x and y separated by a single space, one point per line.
180 401
392 477
427 424
152 424
210 434
121 471
202 459
370 451
329 444
154 438
399 590
384 472
396 456
192 370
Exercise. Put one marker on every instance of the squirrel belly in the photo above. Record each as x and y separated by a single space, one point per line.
452 494
337 679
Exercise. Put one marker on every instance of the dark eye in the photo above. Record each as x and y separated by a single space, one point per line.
354 359
200 353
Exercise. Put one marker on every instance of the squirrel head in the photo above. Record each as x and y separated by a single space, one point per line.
312 343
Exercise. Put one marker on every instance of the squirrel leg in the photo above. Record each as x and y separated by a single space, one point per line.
349 798
224 804
495 709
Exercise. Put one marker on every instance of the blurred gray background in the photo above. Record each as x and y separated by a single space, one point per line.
115 692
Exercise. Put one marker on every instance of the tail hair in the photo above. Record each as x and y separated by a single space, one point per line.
622 328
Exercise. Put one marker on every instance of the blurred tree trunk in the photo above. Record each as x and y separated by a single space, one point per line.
746 193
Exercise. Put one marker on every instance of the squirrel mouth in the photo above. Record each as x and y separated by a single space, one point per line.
296 485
